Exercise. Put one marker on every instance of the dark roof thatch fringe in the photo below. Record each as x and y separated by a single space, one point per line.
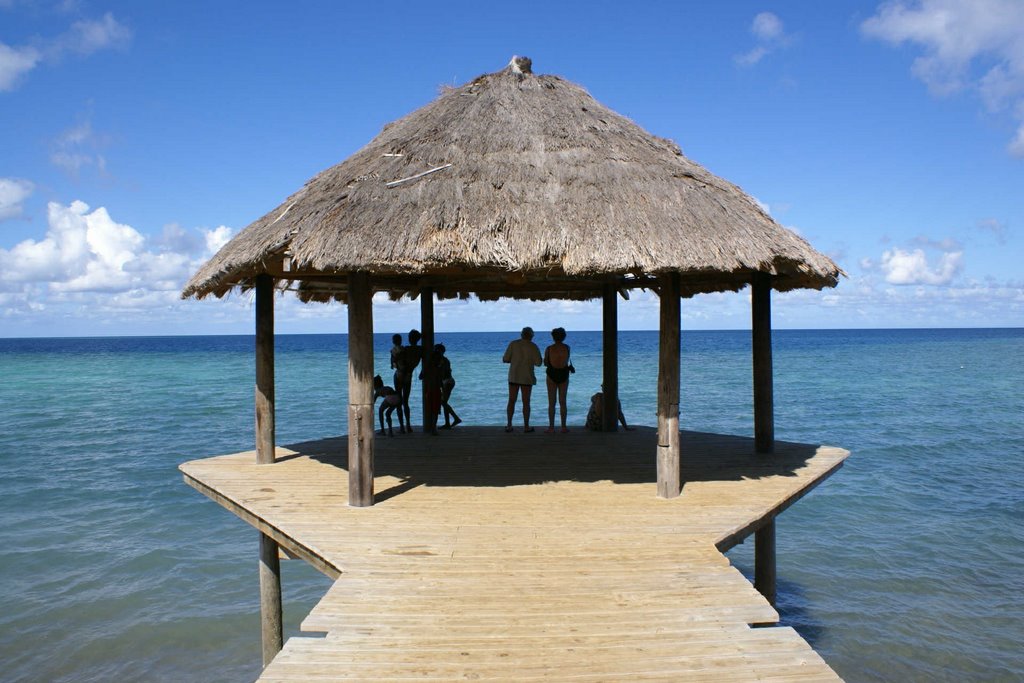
515 185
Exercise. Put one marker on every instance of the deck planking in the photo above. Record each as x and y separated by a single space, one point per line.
494 556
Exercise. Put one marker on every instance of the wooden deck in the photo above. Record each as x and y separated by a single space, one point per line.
493 556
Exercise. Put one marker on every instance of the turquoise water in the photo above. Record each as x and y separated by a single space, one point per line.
908 565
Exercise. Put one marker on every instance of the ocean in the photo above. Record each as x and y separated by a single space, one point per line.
907 565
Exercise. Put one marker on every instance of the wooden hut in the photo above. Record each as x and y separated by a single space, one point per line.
523 186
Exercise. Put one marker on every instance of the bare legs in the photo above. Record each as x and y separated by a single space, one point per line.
513 393
556 391
403 385
451 418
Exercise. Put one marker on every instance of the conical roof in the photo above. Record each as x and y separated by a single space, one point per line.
516 185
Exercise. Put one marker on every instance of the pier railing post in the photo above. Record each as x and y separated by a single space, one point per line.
610 347
764 561
360 390
669 471
761 341
270 564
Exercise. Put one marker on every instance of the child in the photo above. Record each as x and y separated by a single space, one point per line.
392 400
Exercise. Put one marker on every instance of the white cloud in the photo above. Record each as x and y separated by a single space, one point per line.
976 45
912 268
13 192
82 38
79 147
89 36
15 62
767 28
88 252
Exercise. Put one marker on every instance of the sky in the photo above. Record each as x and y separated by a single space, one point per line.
137 138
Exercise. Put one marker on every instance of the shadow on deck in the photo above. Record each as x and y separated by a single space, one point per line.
489 457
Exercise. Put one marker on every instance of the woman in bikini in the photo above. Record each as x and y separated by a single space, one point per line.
557 367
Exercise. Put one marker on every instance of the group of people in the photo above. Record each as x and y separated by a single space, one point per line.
438 379
522 355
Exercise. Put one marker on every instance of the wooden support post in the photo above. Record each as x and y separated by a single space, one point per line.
270 598
264 369
360 390
669 478
270 566
761 328
610 345
764 561
427 329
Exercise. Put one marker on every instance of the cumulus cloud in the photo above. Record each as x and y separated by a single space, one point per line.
13 193
82 38
87 251
976 46
768 30
912 267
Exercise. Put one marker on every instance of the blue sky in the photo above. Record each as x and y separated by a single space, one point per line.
135 138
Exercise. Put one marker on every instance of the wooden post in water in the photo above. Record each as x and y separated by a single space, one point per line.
764 561
271 612
669 480
761 332
360 390
764 421
610 345
427 329
270 563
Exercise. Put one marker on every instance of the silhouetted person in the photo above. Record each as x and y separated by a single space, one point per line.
406 364
444 374
392 400
557 369
595 422
523 356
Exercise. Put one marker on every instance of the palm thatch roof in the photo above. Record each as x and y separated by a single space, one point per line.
515 185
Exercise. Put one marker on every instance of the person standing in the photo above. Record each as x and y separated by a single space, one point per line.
444 374
405 365
557 368
523 356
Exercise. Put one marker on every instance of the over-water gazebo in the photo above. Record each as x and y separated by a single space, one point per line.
523 186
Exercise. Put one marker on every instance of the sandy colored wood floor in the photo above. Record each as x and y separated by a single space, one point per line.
519 557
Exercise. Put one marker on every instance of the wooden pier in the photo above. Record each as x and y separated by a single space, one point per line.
494 556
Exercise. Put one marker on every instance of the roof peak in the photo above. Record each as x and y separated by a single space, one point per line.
520 65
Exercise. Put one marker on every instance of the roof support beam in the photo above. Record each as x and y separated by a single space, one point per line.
427 369
264 369
271 613
360 390
669 479
761 332
610 350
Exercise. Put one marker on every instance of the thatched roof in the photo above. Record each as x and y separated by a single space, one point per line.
515 185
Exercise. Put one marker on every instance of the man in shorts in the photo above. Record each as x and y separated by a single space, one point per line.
523 356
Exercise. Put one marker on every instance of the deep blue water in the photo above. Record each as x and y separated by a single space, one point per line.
908 565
